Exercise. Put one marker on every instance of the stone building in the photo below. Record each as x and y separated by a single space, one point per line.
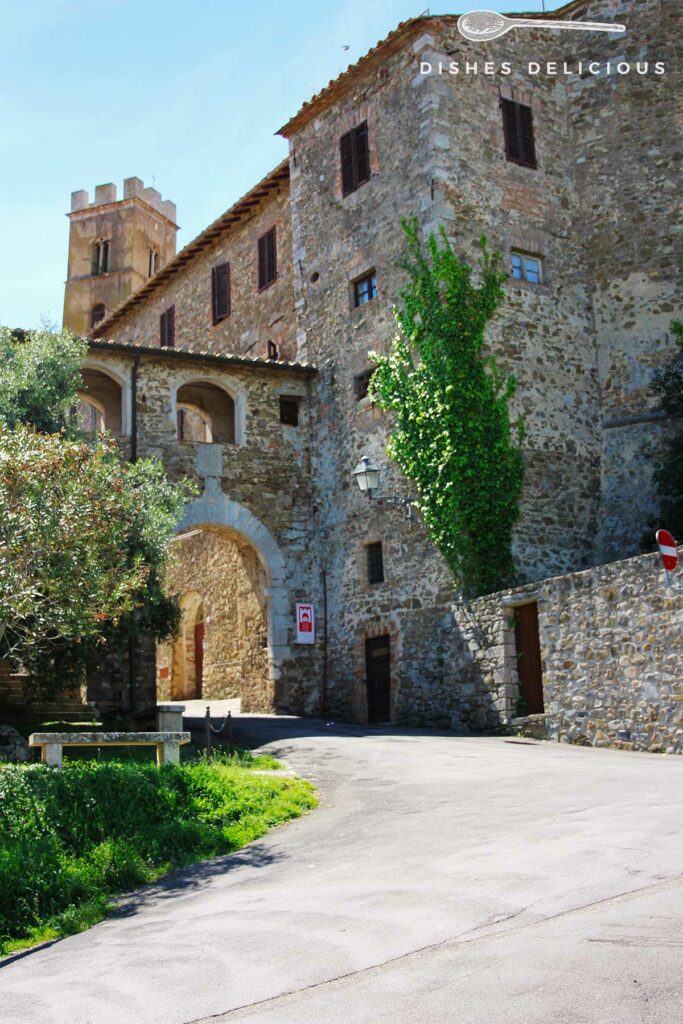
243 361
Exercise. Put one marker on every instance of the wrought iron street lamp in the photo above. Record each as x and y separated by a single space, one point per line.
367 476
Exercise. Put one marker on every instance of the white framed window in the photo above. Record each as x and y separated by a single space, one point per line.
526 267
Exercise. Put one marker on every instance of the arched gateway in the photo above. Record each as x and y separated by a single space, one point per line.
244 606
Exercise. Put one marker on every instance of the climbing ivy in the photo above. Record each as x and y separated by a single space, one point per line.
452 433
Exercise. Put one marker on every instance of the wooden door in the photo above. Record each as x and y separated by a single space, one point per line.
378 676
529 668
198 658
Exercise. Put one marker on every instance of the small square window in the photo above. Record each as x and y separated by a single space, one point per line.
527 268
375 561
289 411
361 383
365 289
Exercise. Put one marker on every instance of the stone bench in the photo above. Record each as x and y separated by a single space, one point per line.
52 743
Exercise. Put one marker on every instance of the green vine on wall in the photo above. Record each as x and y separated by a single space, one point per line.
452 433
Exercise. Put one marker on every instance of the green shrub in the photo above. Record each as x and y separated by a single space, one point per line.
69 840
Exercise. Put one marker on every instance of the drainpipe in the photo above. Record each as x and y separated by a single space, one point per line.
132 642
323 695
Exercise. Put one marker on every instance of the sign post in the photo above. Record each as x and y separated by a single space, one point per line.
305 624
668 551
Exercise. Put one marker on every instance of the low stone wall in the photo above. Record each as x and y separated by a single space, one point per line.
611 641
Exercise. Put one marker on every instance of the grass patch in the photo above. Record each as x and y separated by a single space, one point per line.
71 840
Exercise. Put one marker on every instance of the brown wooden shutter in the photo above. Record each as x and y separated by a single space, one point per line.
362 153
267 259
220 292
518 129
355 158
167 328
346 148
512 148
526 135
271 247
95 264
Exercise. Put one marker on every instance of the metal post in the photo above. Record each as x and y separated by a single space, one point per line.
230 747
207 728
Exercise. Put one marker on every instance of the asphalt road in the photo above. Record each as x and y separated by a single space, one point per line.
443 879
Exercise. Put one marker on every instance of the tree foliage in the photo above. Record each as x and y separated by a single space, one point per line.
452 433
82 551
668 471
39 377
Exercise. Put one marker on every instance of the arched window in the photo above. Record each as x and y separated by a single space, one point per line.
97 313
154 263
99 402
205 413
100 257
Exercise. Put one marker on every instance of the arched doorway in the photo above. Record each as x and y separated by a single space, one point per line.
187 656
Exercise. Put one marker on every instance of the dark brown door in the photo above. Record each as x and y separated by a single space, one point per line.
529 658
199 658
378 676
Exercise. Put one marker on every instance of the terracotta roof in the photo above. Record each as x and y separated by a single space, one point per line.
220 359
242 208
384 48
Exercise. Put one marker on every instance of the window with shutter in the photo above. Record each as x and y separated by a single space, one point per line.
220 292
267 259
518 129
167 328
354 150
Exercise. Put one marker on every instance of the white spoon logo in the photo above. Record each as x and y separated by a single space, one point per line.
484 26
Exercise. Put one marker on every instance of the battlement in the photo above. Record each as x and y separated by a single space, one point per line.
132 188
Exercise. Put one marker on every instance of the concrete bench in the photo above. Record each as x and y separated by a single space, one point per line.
52 743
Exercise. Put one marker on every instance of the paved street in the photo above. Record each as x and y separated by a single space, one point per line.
443 879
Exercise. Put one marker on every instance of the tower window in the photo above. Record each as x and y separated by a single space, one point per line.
355 158
375 562
97 313
365 289
518 129
527 268
100 258
273 351
167 328
153 262
267 259
289 411
220 292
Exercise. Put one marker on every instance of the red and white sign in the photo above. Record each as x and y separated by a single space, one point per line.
305 624
667 549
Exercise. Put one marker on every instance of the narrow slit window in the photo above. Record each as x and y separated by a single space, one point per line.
153 263
375 563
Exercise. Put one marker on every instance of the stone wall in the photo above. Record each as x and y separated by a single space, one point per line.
626 139
611 641
250 551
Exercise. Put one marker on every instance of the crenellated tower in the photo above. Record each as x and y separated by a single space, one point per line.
115 246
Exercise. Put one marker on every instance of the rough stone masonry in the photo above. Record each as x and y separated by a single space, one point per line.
598 212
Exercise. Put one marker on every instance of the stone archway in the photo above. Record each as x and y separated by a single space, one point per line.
231 564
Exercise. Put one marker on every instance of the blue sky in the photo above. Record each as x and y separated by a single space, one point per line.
191 93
